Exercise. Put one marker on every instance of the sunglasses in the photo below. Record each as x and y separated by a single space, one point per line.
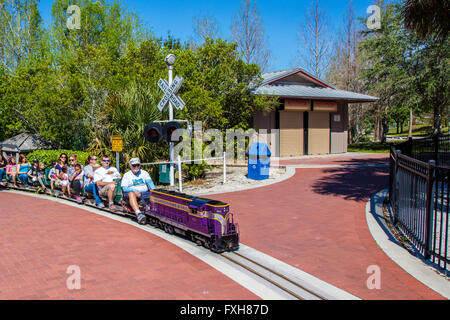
94 159
71 159
135 165
106 160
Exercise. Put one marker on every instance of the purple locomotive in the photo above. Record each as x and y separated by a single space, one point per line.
207 222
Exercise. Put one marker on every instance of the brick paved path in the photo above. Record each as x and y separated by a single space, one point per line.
40 239
316 222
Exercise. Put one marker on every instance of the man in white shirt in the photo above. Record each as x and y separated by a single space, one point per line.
136 184
104 179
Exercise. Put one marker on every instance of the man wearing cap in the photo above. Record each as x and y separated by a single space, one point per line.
136 184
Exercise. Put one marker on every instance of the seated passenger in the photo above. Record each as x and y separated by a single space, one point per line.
33 173
65 181
11 170
3 163
52 174
76 182
89 186
41 175
136 184
22 169
104 179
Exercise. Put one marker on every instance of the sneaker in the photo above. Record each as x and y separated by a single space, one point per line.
79 199
141 219
112 207
100 205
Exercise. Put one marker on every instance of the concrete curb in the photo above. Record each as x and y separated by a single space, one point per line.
394 250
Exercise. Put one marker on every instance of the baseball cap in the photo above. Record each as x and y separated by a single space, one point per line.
135 161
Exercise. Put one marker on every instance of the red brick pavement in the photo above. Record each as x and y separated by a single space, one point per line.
345 159
40 239
316 222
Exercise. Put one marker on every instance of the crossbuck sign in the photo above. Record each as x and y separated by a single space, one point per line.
170 93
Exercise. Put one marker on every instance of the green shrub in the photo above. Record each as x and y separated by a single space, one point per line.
195 171
47 156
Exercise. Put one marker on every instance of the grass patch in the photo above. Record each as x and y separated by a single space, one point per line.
371 147
419 130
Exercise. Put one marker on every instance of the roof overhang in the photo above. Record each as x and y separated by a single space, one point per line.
286 85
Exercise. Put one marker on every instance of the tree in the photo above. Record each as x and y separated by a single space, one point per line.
20 32
315 40
344 72
217 86
248 32
386 54
432 79
429 18
205 26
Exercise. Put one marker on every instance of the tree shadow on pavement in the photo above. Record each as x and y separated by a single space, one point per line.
354 183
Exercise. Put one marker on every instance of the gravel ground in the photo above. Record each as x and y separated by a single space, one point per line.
236 180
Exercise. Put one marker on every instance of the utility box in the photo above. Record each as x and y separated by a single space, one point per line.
164 173
258 161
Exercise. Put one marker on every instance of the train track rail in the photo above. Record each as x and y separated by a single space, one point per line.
286 284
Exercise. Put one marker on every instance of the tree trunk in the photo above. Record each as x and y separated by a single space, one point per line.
378 129
436 120
410 122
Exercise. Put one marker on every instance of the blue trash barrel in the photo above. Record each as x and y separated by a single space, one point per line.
258 161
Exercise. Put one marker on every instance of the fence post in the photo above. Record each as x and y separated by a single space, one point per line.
224 167
409 148
429 208
395 186
436 148
180 177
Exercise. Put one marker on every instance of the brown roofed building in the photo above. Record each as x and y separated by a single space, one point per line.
313 115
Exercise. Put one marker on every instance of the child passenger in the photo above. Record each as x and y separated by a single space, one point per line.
41 175
65 181
32 172
11 170
52 174
76 182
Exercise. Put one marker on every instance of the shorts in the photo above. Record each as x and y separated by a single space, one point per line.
144 196
104 190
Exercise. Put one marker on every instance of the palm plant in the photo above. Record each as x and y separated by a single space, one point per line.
134 108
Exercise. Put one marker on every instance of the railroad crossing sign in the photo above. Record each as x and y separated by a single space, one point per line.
170 93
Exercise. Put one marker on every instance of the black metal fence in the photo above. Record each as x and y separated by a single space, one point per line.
419 186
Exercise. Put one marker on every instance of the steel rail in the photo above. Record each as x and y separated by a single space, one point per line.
248 268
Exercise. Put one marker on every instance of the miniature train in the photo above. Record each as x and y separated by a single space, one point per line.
206 222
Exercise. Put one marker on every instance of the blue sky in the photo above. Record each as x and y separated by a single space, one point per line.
281 20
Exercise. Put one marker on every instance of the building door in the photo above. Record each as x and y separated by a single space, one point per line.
291 133
319 132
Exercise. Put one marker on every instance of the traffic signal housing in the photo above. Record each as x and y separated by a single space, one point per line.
169 131
154 132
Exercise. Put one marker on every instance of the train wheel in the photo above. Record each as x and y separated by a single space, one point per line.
207 244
